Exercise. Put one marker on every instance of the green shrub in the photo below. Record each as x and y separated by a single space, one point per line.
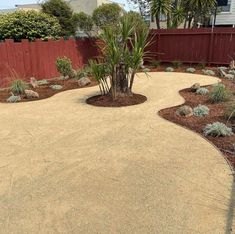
169 69
176 64
230 111
217 129
202 65
146 70
85 23
43 82
191 70
219 93
14 99
155 63
28 25
64 66
202 91
18 86
56 87
201 111
208 72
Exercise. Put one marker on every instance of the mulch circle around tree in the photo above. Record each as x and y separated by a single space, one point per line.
107 101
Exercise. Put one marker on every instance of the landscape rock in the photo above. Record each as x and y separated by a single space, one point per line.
31 94
185 111
84 81
33 82
195 87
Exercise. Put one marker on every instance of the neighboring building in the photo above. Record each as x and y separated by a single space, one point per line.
28 7
227 16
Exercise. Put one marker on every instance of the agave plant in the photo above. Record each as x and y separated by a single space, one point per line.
123 51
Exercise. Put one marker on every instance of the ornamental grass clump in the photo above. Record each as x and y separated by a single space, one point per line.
176 64
219 93
18 86
217 129
230 111
201 111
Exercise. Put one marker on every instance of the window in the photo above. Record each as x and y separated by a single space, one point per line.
226 8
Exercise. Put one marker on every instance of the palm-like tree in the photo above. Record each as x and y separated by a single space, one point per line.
160 7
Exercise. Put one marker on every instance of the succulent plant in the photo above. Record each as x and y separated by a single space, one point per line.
169 69
56 87
217 129
13 98
219 93
208 72
202 91
42 82
191 70
201 111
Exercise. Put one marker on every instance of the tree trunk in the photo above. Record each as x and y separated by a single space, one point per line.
158 22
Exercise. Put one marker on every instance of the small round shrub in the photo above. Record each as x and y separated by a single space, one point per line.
18 86
217 129
169 69
14 99
56 87
230 111
219 93
208 72
146 70
202 91
191 70
42 82
201 111
64 66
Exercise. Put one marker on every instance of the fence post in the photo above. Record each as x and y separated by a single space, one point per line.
211 47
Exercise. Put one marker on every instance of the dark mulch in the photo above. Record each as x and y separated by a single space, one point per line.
45 91
107 101
197 124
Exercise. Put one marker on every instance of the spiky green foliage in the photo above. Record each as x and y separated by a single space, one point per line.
18 86
201 111
13 99
176 64
230 111
202 91
123 51
64 66
217 129
202 65
219 93
56 87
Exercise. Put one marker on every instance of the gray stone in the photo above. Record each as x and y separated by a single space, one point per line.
31 94
185 111
195 87
84 81
56 87
33 82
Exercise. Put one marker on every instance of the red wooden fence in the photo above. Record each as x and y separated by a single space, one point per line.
38 58
213 46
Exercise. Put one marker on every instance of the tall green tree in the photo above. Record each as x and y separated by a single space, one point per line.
107 15
85 23
64 13
160 7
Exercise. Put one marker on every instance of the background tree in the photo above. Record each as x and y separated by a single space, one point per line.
64 13
85 23
28 25
107 14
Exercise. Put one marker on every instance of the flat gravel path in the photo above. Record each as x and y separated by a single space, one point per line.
67 167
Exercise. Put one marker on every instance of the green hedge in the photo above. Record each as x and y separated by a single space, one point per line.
28 25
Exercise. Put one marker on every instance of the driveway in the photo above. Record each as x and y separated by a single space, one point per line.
67 167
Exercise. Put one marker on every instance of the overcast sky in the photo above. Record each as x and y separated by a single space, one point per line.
4 4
